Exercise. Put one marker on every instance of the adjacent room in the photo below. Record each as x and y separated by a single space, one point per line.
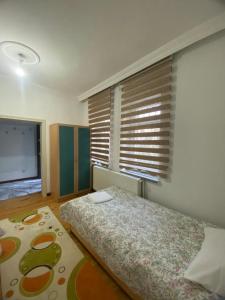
20 164
112 150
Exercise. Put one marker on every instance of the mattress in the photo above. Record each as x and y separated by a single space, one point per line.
146 245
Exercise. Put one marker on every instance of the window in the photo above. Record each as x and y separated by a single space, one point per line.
100 108
146 120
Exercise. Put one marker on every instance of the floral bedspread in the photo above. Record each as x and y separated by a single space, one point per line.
146 245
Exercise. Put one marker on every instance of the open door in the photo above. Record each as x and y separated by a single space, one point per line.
21 154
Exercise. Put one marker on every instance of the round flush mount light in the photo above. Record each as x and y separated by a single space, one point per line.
20 53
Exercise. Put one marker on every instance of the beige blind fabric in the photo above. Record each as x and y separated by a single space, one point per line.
145 120
100 108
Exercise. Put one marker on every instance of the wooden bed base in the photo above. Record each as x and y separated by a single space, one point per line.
123 286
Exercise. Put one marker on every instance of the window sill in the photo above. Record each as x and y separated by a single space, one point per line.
147 177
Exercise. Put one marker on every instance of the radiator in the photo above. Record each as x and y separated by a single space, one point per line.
103 178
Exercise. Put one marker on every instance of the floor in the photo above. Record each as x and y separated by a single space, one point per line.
15 206
11 207
19 188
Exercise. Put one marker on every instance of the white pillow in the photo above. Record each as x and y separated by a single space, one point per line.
208 267
99 197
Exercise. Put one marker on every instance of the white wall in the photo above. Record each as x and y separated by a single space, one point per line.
18 151
27 100
197 183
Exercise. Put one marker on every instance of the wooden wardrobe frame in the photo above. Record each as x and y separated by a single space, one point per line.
55 166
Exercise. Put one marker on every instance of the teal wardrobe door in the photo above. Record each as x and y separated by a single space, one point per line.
83 158
66 160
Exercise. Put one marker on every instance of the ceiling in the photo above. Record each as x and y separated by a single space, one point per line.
83 42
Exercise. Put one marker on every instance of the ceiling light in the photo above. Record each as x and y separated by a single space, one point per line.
20 54
18 51
20 72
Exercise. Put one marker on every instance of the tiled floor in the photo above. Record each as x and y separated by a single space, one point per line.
19 188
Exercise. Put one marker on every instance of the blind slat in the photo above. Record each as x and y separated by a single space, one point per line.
160 107
145 134
153 173
99 119
99 151
102 162
101 156
100 124
146 103
93 144
146 150
147 165
100 130
100 141
144 142
93 158
146 126
100 135
146 119
145 157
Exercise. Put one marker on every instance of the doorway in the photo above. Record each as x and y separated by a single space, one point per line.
21 158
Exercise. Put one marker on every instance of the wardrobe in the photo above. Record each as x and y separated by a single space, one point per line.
70 160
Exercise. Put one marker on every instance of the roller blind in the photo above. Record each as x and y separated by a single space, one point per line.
146 120
100 111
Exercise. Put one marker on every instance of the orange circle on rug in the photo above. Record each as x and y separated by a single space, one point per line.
9 294
32 219
36 281
9 246
61 281
43 240
99 286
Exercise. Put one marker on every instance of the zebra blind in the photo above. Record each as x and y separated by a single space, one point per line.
145 121
100 107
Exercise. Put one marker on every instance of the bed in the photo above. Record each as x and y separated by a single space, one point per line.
146 246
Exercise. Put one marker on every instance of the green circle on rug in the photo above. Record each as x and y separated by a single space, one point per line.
42 257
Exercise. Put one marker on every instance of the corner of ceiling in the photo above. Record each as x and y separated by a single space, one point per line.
188 38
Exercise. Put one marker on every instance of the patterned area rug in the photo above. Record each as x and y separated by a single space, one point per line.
40 261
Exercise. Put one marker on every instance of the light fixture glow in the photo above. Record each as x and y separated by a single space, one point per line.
20 72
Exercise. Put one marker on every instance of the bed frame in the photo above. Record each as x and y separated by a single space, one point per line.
121 284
